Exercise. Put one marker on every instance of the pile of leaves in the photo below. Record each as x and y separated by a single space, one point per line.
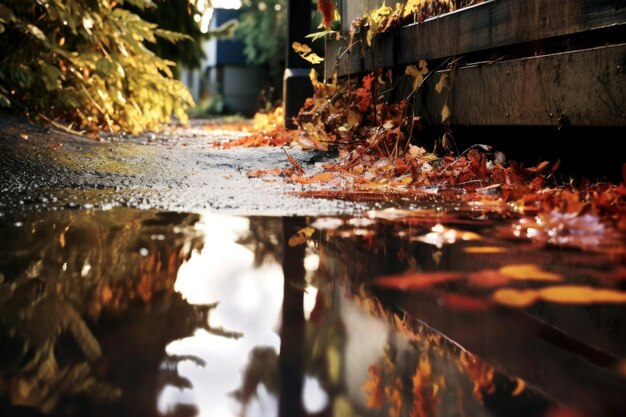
379 156
266 129
86 62
382 152
386 18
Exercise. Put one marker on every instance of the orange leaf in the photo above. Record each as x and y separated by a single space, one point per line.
301 236
566 294
416 281
318 178
462 302
488 278
528 272
519 388
573 294
295 163
484 249
515 298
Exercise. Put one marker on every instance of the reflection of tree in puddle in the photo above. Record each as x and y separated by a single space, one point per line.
88 310
87 306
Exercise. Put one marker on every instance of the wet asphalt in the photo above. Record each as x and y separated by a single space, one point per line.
180 169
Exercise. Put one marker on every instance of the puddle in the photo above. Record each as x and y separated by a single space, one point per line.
394 313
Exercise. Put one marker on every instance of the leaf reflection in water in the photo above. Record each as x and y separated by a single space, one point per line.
66 277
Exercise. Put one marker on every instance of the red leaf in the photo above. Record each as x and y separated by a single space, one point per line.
327 9
462 302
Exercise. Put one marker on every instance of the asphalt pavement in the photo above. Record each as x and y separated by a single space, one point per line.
178 169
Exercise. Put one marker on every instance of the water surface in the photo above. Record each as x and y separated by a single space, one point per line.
391 313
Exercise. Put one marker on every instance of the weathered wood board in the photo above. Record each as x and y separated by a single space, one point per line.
493 24
578 87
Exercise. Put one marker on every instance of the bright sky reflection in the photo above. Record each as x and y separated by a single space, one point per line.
250 302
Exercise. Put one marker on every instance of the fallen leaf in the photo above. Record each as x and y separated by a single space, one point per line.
539 167
313 78
529 272
306 53
264 172
317 178
566 294
416 281
417 72
374 388
295 163
445 113
519 388
462 302
484 249
442 83
300 237
327 9
573 294
106 295
515 298
488 278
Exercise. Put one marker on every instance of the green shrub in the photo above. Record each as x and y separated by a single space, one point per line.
85 62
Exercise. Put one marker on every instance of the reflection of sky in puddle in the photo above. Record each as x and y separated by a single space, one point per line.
250 302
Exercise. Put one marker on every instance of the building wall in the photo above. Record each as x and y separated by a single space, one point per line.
224 72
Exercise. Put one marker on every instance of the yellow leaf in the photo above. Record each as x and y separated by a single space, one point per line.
412 6
306 53
313 77
353 118
416 74
333 359
566 294
301 236
423 66
301 48
529 272
573 294
445 113
375 18
442 83
377 15
519 388
514 298
424 366
484 249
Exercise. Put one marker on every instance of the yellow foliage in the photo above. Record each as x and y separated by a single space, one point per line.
445 113
306 53
417 72
442 83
